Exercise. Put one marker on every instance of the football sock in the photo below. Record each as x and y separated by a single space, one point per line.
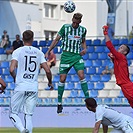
28 122
60 92
17 122
84 87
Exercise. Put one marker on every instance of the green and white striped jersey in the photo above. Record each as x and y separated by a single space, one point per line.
72 38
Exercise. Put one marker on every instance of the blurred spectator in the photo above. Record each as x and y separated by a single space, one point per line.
51 59
5 40
16 44
109 69
131 34
110 32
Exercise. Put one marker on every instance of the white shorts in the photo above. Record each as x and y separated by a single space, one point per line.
127 127
23 101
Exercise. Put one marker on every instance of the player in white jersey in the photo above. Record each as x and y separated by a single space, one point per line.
27 60
109 117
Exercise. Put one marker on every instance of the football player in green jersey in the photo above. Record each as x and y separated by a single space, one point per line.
73 39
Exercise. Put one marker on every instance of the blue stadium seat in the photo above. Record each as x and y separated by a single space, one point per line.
103 42
87 77
78 86
115 41
75 78
95 78
121 94
67 101
96 42
55 50
44 50
90 49
68 78
108 101
56 78
4 64
123 41
59 43
73 93
49 43
93 93
9 79
2 51
85 57
102 56
99 100
106 50
131 42
105 78
42 43
6 71
35 43
1 101
93 56
1 71
125 101
99 49
77 101
81 94
105 62
91 70
97 63
88 63
88 42
90 85
99 86
100 69
69 86
118 101
72 71
130 56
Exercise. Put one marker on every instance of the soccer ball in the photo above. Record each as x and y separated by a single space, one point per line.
69 6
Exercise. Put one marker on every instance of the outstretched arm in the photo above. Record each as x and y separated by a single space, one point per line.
53 44
97 126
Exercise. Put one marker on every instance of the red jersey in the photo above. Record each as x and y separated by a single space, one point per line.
120 65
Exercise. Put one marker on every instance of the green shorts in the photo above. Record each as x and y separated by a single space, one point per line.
69 60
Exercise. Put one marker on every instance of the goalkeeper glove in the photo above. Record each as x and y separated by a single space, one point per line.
105 30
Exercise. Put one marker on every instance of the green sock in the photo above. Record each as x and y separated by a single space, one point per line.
84 87
60 91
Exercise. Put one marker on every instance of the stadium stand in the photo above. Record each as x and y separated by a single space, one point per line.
102 87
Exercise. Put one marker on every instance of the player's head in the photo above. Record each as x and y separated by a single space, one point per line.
76 20
91 104
28 36
124 49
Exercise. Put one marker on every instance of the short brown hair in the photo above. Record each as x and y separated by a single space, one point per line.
77 16
28 36
91 102
128 49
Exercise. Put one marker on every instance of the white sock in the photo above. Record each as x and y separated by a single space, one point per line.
28 122
17 122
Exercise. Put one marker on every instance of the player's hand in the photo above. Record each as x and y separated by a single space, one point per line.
46 55
105 30
51 87
83 52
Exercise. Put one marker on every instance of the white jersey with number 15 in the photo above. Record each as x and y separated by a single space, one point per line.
29 59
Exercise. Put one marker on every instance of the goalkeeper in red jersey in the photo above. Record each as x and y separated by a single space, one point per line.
120 66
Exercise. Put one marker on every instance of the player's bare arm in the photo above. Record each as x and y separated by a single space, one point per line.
53 44
105 128
12 68
48 74
97 126
83 52
3 85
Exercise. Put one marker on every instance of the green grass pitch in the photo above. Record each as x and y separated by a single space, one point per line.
52 130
